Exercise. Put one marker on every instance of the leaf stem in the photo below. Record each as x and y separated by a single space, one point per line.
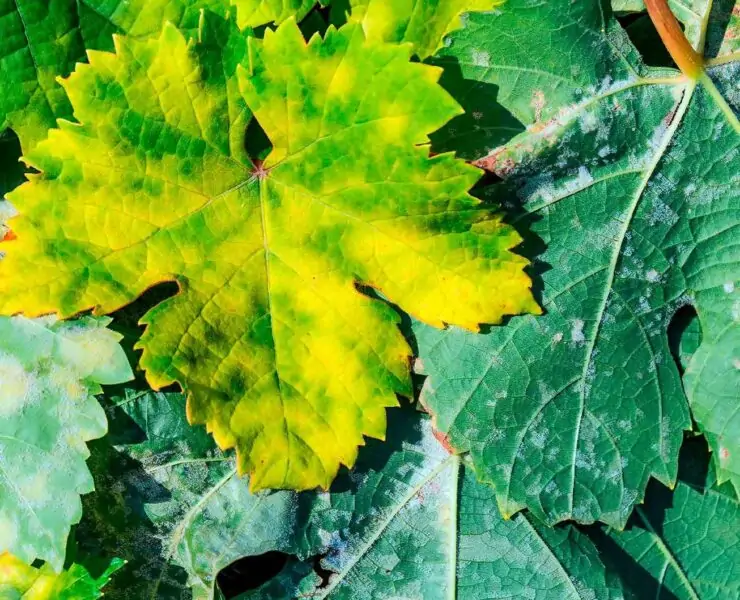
688 60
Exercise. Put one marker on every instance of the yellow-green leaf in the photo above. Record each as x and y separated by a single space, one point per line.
423 23
41 40
280 354
19 581
253 13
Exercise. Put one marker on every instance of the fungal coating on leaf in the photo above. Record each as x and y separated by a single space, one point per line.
279 353
24 582
49 374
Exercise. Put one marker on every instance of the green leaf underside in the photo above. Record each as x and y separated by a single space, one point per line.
713 26
412 522
629 176
690 12
691 547
18 581
170 503
50 372
280 354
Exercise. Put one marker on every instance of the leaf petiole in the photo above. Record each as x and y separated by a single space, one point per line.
688 60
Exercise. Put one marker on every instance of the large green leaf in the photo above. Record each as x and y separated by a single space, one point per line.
630 178
412 522
712 382
49 374
170 503
19 581
282 357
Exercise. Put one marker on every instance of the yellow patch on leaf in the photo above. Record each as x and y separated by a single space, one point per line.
280 354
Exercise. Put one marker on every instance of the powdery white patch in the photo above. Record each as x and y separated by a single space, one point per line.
652 276
729 287
539 438
496 435
34 489
661 214
576 333
15 385
8 534
552 453
481 58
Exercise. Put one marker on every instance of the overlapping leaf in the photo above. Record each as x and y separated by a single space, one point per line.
422 23
691 548
718 35
253 13
49 375
18 581
683 544
170 503
146 17
630 177
281 355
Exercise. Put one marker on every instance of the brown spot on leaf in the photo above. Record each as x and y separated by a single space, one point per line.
496 163
444 440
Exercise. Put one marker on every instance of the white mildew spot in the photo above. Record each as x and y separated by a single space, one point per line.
589 122
35 489
15 385
729 287
576 332
481 58
8 534
736 311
